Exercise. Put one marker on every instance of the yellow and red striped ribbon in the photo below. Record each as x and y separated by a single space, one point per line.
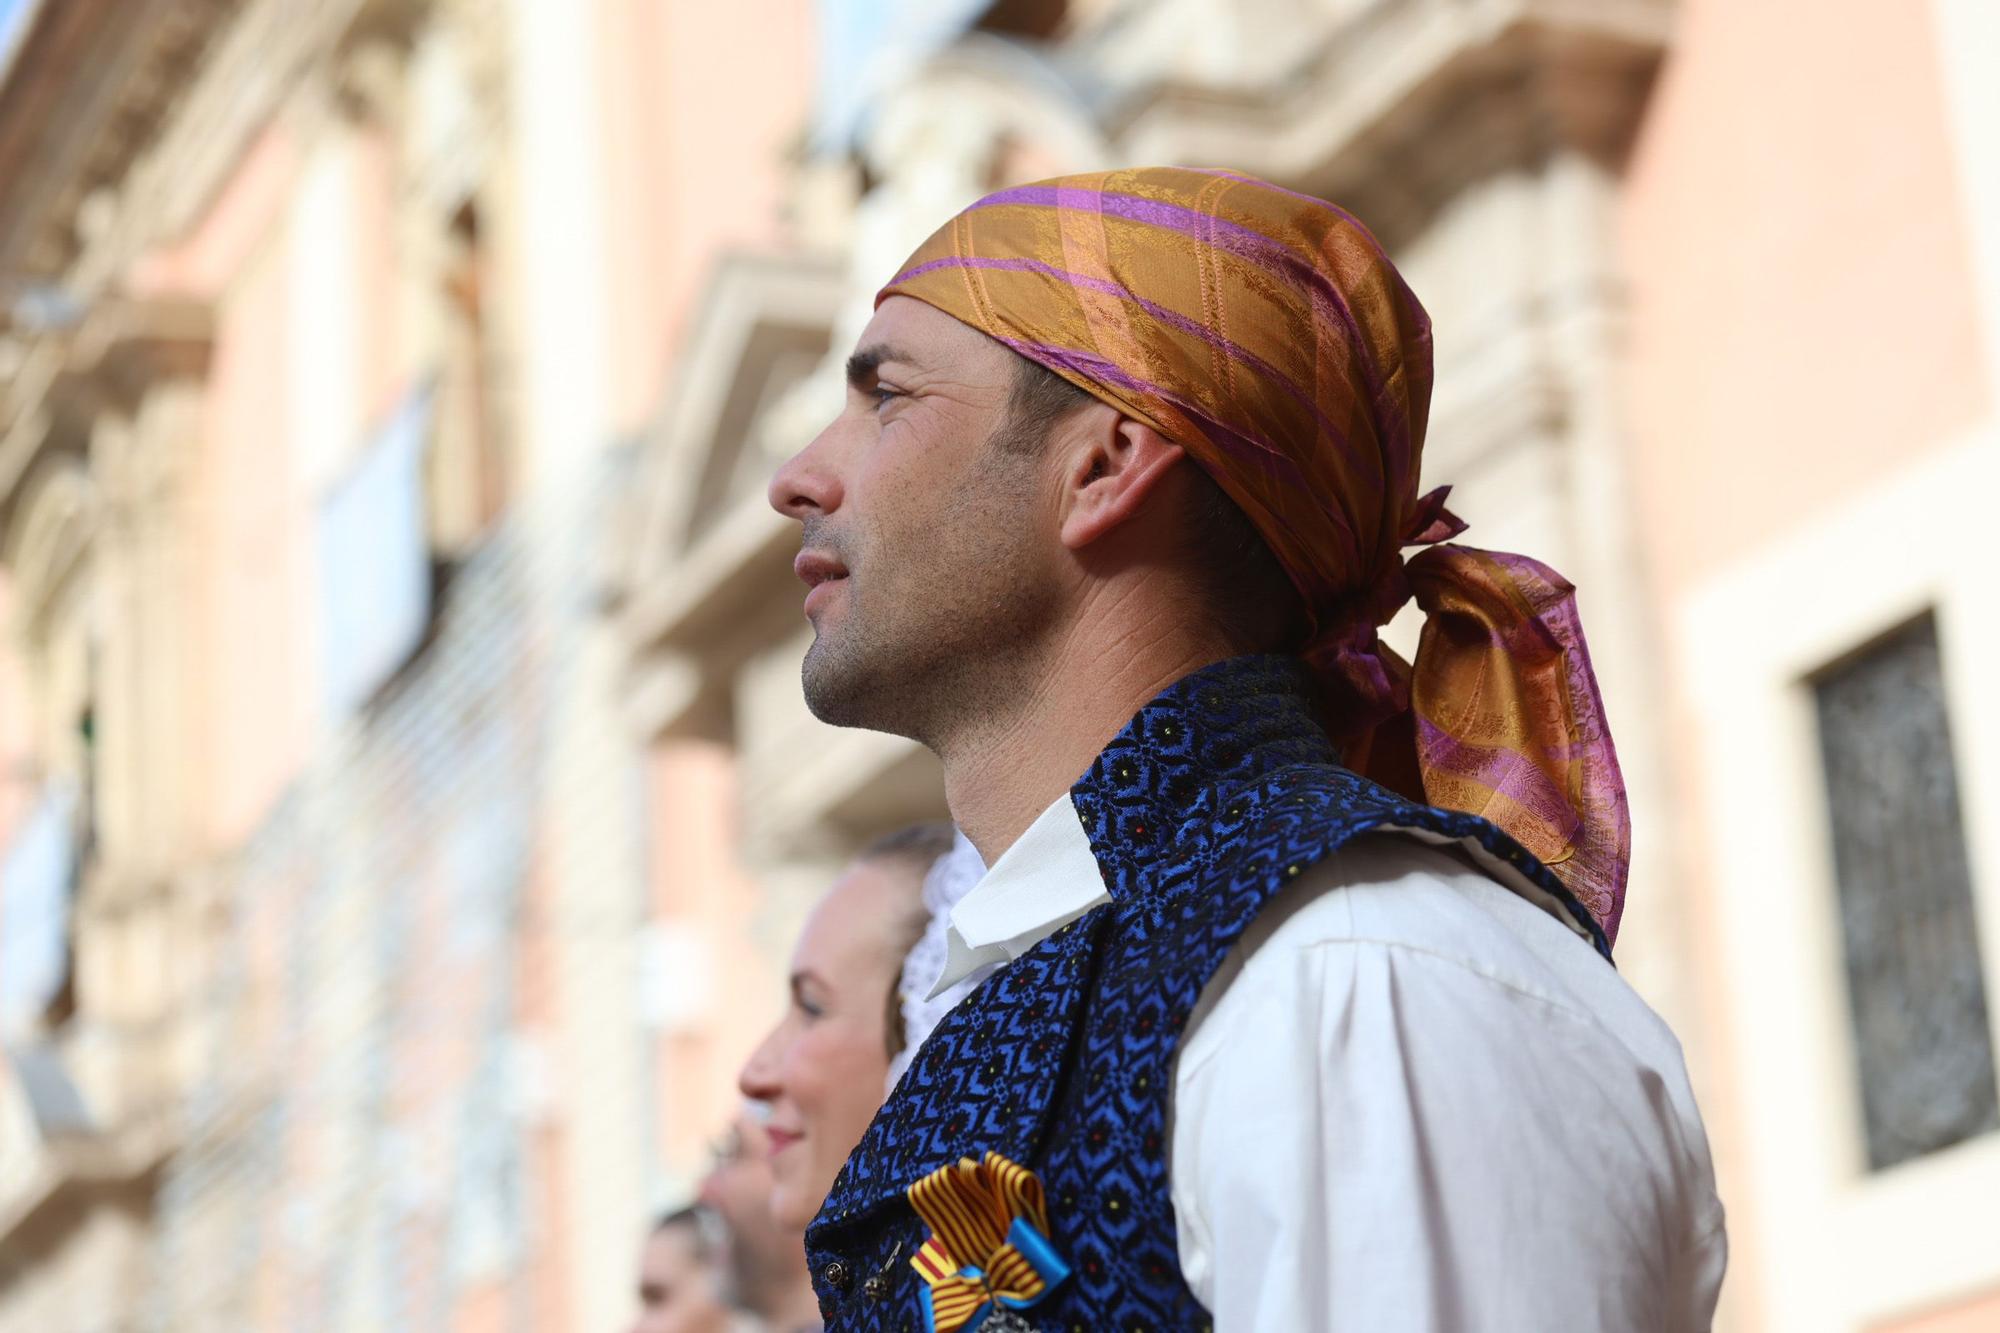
988 1246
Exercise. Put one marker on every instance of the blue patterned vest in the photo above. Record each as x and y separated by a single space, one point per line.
1212 798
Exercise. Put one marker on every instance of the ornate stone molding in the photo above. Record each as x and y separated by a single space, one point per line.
701 542
45 547
1395 110
85 95
706 599
57 1151
125 346
255 60
106 364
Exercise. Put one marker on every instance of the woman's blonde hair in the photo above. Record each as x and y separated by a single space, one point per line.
915 847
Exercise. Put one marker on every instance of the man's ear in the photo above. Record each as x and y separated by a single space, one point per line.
1113 466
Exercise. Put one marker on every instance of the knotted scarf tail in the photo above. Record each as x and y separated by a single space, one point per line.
1504 719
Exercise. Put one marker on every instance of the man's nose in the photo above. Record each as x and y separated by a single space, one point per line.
807 484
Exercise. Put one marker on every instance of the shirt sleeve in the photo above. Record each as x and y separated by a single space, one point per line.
1370 1136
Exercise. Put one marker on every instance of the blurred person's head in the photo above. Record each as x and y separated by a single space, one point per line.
822 1069
763 1261
678 1287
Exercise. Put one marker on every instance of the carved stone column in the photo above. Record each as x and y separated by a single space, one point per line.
138 367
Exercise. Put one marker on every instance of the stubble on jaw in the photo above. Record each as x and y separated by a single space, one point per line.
940 634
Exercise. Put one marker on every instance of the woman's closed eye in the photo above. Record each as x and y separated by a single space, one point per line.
806 999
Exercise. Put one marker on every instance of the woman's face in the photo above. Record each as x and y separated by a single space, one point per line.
823 1068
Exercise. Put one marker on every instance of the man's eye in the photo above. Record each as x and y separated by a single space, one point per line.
882 393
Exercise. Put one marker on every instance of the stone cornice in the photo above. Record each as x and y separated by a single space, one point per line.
694 554
259 55
191 82
1396 110
119 119
85 94
123 1161
105 364
123 346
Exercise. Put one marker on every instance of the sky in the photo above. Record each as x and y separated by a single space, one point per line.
866 45
13 21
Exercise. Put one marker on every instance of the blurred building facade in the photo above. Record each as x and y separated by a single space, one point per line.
407 797
331 996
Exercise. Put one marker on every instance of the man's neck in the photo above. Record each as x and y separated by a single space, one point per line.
1000 775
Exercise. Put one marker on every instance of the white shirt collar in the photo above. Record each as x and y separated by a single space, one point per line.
1046 880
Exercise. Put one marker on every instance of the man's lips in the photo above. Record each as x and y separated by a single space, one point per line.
780 1139
819 573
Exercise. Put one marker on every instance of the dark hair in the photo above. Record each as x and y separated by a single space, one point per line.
1249 593
1247 590
917 847
695 1220
1039 399
917 844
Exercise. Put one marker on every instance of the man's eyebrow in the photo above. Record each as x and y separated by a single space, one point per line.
862 365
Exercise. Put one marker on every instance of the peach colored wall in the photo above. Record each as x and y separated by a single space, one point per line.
384 345
702 103
1803 324
243 213
697 882
635 112
251 530
544 1283
1802 316
250 525
677 112
1980 1315
255 518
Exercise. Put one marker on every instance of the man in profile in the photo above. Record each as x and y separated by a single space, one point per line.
1304 1016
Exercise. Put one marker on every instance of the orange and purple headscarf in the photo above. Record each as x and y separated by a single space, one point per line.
1267 334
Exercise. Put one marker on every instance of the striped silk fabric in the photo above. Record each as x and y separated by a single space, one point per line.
988 1252
1268 334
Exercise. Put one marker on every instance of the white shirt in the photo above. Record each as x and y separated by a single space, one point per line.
1422 1103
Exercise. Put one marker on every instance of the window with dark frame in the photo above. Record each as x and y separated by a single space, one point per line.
1922 1033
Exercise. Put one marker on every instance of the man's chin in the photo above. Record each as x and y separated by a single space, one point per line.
837 690
872 685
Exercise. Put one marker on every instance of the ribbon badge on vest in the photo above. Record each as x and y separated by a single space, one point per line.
988 1254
